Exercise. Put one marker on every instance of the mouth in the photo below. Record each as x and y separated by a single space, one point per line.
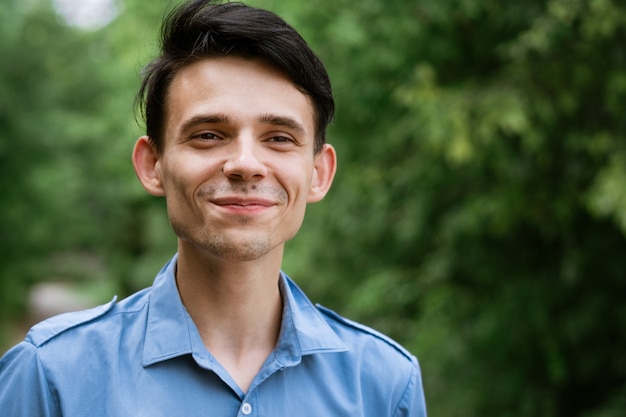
242 201
243 205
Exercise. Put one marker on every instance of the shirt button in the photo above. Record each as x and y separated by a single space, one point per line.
246 409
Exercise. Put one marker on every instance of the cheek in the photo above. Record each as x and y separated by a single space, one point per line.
298 186
180 174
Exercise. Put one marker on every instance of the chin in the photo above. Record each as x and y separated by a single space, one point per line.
235 250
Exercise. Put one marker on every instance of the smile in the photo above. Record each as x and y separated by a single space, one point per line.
242 202
243 206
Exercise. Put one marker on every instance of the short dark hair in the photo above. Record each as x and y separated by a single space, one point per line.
199 29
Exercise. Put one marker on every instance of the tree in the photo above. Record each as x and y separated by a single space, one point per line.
478 214
479 208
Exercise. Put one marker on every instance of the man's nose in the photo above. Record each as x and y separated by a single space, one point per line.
244 160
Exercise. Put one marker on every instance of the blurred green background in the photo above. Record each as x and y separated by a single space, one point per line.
478 215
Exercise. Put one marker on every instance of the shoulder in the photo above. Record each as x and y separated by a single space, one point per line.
357 335
390 373
47 330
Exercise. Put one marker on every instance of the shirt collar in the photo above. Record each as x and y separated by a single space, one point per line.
167 330
170 332
303 330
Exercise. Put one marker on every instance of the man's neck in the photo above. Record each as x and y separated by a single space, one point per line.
236 306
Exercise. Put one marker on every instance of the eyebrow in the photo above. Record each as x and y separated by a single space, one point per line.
218 118
283 121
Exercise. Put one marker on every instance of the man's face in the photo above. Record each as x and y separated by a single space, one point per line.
237 167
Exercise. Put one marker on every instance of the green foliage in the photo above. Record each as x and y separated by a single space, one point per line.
479 202
66 132
479 211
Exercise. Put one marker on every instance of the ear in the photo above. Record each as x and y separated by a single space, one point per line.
324 168
146 161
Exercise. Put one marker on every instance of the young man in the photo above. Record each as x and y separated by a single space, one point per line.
236 111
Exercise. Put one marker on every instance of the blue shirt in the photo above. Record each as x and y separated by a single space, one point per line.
143 356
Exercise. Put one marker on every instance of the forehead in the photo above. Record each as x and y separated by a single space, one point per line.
243 89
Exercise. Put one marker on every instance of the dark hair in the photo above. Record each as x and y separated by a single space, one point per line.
199 29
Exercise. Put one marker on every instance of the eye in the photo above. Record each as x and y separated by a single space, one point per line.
205 136
280 139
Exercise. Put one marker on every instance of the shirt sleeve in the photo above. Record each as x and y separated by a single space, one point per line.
24 390
413 403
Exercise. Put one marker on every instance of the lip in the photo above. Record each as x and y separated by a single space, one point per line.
243 205
242 201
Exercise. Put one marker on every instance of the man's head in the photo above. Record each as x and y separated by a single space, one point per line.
236 108
200 29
